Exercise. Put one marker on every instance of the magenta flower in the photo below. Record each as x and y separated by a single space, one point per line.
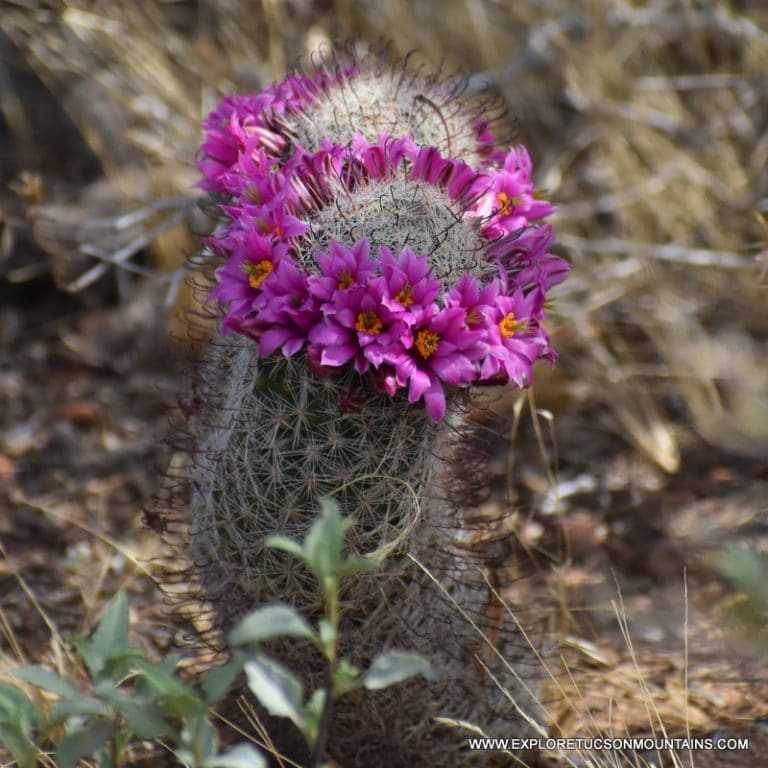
253 177
284 312
510 203
410 281
245 124
358 326
378 314
379 159
235 127
254 259
477 303
274 217
514 338
460 181
438 348
525 259
242 124
341 268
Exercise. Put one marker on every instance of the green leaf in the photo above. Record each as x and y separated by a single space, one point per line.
110 640
747 570
83 742
198 739
345 678
92 657
325 541
241 756
393 667
144 718
174 696
162 681
86 706
287 545
276 688
16 706
219 680
313 713
18 743
111 635
275 620
47 680
18 718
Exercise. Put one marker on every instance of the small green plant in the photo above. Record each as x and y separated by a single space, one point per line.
279 690
129 696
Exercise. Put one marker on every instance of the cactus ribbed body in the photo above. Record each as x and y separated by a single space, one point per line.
380 255
279 438
273 439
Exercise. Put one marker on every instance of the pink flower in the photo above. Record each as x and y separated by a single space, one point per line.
439 348
284 312
235 127
410 281
460 181
525 259
358 326
253 261
477 303
514 338
341 268
510 203
379 159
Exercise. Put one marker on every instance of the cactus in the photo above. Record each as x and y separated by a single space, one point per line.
372 94
340 372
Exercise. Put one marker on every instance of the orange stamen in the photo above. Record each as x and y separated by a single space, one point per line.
404 297
509 326
258 273
506 203
368 322
426 343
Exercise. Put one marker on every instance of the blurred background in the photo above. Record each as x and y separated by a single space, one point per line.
641 454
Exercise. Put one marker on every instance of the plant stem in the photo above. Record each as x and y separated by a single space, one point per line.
324 727
331 589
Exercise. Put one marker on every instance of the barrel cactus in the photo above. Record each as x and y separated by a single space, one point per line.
378 256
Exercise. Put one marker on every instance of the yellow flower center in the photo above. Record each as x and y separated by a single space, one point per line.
345 279
258 273
426 343
368 322
506 203
404 297
509 326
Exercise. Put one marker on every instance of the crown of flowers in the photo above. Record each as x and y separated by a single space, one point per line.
309 266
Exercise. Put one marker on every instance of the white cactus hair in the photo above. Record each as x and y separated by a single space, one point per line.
395 96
